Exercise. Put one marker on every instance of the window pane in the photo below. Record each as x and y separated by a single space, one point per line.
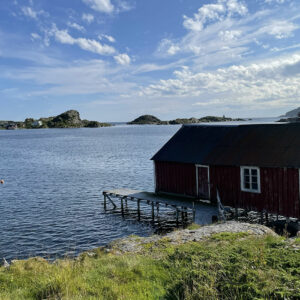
247 178
247 185
246 171
254 186
254 179
254 172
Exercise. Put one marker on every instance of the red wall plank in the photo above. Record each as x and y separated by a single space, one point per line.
176 178
279 186
279 190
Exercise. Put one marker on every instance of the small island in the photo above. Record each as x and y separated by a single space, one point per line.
152 120
292 113
291 116
68 119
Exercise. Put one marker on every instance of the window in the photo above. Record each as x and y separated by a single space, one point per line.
250 179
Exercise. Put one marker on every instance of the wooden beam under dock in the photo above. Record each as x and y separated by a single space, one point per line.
178 204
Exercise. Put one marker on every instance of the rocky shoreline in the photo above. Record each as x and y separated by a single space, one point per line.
228 260
135 244
152 120
68 119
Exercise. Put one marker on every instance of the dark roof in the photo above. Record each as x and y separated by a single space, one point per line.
263 145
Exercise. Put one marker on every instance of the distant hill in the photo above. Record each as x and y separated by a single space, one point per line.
206 119
146 119
68 119
152 120
292 113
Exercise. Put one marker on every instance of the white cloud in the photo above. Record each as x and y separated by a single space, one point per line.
205 13
110 38
150 67
281 29
229 35
89 18
104 6
224 33
123 6
275 1
211 12
236 7
94 46
168 47
78 78
76 26
271 82
122 59
35 36
64 37
29 12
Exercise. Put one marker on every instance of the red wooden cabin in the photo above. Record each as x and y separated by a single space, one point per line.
255 167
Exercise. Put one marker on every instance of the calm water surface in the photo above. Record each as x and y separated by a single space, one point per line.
51 202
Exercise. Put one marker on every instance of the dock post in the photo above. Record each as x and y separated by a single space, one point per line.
157 208
112 202
177 213
194 212
139 209
152 204
104 200
236 212
122 207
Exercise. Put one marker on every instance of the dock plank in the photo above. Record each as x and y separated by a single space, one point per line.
153 197
203 212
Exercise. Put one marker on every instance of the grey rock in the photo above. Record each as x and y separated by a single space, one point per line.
4 263
183 236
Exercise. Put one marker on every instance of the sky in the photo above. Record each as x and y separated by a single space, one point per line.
113 60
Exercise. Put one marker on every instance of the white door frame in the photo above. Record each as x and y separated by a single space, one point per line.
208 178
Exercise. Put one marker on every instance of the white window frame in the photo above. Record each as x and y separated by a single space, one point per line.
243 188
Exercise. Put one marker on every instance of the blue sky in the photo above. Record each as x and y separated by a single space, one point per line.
114 60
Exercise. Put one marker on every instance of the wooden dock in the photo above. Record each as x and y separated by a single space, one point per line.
180 205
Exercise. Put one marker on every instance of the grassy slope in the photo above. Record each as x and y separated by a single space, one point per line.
226 266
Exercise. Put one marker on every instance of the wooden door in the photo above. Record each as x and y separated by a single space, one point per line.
203 182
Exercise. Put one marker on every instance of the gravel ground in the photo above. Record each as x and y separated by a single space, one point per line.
134 244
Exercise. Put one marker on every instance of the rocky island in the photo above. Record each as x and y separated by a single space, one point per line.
68 119
291 116
152 120
292 113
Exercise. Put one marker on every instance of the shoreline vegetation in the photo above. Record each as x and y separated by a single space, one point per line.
71 119
68 119
221 261
152 120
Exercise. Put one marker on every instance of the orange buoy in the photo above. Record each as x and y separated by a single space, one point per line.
2 181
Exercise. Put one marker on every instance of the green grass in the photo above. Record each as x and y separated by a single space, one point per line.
193 226
226 266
